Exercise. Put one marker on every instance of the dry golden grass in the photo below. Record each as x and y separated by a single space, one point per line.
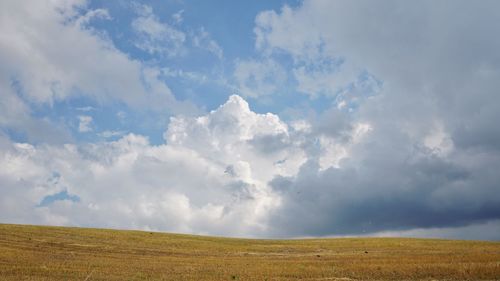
60 253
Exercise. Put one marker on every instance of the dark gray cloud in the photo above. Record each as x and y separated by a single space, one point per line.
406 144
432 157
386 192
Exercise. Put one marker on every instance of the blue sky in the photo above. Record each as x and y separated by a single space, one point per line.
254 119
195 73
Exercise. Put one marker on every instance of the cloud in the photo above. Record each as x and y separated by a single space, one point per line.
42 59
202 39
256 78
156 37
177 17
84 124
407 143
93 14
15 116
239 173
233 133
55 55
182 185
428 96
109 134
85 108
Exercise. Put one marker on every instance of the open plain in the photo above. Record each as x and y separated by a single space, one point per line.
62 253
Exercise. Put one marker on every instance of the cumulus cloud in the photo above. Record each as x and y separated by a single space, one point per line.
428 158
409 145
233 132
47 66
240 173
210 176
54 54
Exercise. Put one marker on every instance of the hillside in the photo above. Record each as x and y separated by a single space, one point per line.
60 253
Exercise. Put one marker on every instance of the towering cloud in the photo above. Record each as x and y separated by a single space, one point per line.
431 155
210 177
384 119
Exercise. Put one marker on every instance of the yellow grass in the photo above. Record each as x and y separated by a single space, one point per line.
60 253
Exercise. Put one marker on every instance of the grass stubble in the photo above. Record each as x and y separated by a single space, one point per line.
64 253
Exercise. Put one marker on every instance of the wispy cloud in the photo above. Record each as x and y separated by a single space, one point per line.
202 39
110 134
85 123
258 77
154 36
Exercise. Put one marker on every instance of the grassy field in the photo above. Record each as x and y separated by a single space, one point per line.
60 253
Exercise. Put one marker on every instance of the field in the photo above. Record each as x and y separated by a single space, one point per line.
60 253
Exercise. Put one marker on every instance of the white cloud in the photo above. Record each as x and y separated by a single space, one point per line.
109 134
305 37
15 115
156 37
188 75
315 79
438 141
93 14
42 52
422 154
258 78
177 17
211 176
202 39
85 123
239 173
273 31
335 149
234 135
85 108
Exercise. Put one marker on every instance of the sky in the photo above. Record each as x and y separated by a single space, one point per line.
265 119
